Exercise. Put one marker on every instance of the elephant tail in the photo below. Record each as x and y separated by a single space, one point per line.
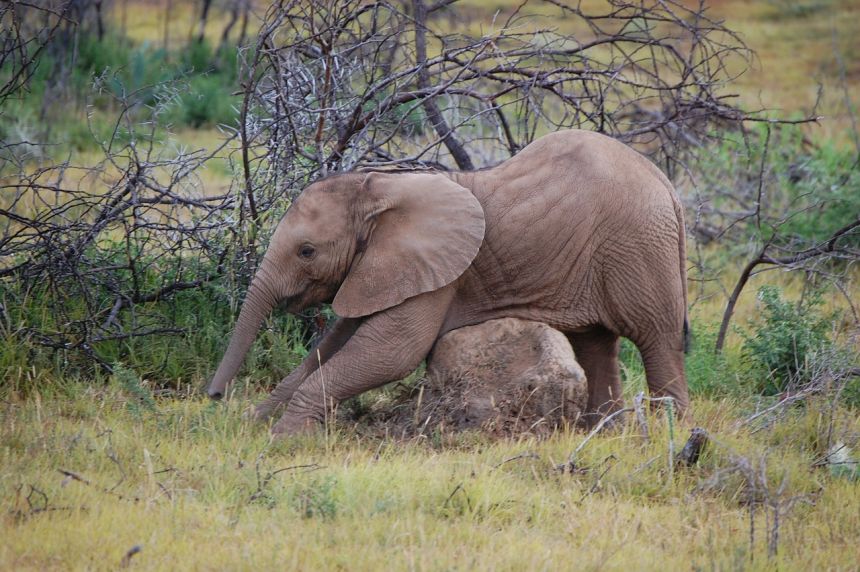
688 334
682 263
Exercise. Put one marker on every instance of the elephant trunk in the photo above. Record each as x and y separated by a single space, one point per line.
259 301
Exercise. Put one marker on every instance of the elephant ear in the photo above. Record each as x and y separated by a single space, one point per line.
424 230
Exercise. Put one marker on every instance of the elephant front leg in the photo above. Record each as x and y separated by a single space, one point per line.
386 347
332 340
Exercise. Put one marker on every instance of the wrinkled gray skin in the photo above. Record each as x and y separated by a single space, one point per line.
577 231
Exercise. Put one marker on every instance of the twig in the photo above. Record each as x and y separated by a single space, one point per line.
81 479
595 431
596 484
638 406
126 559
526 455
803 394
263 482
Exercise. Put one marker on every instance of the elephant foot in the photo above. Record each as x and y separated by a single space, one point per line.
262 412
296 425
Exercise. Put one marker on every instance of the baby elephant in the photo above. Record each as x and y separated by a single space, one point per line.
577 231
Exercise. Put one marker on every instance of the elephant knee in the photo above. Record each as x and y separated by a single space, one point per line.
266 410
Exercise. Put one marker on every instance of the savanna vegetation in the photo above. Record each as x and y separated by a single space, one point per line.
147 148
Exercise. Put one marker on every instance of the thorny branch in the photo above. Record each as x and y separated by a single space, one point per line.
348 84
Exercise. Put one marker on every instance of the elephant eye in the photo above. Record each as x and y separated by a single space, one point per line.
307 251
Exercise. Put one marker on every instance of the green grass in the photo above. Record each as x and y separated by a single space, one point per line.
197 487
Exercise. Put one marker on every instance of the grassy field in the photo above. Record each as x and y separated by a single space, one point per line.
89 473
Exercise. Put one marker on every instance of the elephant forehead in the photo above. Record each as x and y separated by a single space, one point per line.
312 218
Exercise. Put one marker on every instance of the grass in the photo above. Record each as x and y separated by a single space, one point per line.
197 487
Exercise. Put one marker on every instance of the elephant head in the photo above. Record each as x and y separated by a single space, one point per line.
363 241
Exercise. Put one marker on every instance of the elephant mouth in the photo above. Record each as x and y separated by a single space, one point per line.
312 297
298 303
292 304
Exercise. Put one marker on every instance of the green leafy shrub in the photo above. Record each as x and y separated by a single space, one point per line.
781 343
197 57
207 102
95 56
102 72
709 373
818 186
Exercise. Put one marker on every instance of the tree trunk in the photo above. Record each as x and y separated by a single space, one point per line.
225 35
243 31
433 113
168 4
100 22
204 16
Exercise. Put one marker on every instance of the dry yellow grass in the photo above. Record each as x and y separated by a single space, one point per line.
183 483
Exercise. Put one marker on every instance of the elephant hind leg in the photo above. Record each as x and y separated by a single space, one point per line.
597 352
664 372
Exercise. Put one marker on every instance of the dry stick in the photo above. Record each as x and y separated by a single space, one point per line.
824 460
642 467
426 422
459 488
417 417
596 484
594 432
126 560
782 403
81 479
752 530
31 509
526 455
640 414
262 482
670 420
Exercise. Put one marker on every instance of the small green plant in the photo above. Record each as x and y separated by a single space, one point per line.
317 499
140 398
709 373
780 344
